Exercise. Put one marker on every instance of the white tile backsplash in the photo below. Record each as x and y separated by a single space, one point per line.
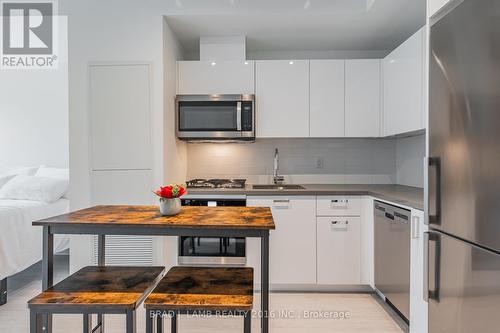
410 154
371 161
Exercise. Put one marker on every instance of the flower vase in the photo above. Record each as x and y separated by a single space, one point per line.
170 207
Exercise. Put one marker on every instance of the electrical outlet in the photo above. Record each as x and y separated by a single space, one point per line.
320 163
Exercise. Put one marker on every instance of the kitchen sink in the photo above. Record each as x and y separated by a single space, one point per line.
278 187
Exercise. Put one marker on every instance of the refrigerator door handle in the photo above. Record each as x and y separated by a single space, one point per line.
434 293
435 162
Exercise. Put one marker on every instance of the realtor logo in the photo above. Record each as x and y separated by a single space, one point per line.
28 34
27 28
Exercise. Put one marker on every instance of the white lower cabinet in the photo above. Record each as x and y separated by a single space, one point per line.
339 250
418 307
292 245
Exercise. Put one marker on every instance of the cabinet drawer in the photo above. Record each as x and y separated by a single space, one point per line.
339 250
338 206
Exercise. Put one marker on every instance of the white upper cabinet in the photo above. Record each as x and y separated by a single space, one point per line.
282 98
327 100
403 72
217 77
362 98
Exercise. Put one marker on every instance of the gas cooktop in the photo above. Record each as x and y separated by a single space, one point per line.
216 183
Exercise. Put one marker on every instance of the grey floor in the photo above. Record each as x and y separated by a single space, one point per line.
367 312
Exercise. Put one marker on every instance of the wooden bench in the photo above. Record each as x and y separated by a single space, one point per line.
200 290
97 290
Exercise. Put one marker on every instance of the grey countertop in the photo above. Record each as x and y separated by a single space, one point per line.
412 197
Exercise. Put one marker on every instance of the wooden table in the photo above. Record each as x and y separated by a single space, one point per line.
146 220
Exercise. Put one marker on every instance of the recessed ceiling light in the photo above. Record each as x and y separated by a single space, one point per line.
213 63
246 62
291 62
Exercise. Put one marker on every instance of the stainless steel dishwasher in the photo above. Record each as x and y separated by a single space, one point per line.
392 256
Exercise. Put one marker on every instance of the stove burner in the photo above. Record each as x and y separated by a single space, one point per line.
216 183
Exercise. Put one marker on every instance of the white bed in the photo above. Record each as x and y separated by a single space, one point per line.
20 242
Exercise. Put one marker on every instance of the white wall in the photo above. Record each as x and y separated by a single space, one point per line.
410 154
34 113
109 31
175 153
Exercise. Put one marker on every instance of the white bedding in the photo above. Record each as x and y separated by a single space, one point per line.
20 242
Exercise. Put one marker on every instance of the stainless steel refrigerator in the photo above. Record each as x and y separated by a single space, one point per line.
463 242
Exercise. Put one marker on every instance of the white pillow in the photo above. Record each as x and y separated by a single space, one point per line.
34 188
58 173
53 172
18 170
5 178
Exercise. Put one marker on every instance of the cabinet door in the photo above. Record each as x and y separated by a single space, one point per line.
339 250
218 77
418 307
327 98
282 97
403 87
362 98
292 246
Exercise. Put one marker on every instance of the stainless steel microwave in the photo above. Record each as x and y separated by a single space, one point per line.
215 117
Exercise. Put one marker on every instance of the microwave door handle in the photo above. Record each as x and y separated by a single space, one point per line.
238 116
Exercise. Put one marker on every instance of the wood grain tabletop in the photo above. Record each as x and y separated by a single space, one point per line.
200 217
207 288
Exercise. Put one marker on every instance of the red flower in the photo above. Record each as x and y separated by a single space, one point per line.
171 191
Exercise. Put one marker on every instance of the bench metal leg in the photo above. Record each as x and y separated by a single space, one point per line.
35 322
173 323
3 291
247 322
45 325
149 321
265 282
159 324
131 322
87 323
154 323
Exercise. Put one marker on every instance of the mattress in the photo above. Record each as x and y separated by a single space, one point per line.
20 242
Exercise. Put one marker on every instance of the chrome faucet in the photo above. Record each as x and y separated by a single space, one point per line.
277 179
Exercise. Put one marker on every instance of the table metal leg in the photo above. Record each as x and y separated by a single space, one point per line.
45 325
265 282
34 322
87 323
101 261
